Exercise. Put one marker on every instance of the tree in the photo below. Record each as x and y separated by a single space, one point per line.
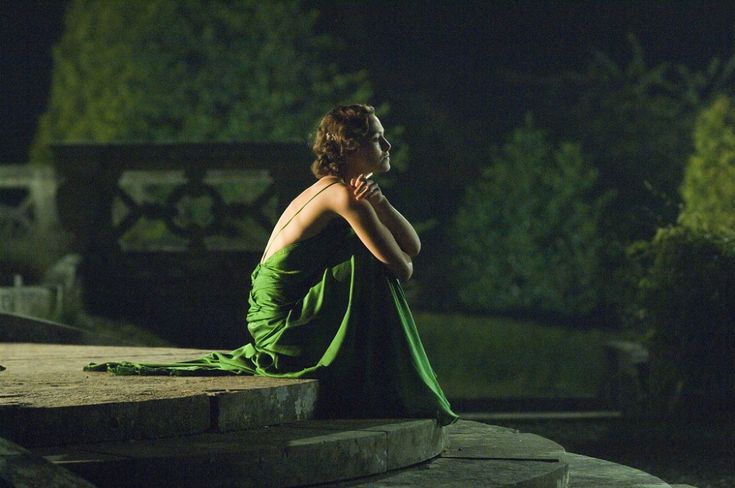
634 122
527 236
191 70
708 189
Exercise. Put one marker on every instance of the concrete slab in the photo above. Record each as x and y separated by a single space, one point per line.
46 399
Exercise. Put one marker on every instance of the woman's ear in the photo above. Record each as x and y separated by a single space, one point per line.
351 145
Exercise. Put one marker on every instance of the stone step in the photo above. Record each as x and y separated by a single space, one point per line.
491 456
46 399
484 455
195 431
585 471
308 452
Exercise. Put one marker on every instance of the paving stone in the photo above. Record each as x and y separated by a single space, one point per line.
20 469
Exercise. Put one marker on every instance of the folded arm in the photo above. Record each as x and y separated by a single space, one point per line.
397 224
372 231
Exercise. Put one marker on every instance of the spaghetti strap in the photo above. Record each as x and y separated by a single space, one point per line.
291 218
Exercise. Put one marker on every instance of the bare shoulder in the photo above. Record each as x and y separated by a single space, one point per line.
341 198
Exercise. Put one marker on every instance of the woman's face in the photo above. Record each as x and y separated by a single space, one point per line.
373 155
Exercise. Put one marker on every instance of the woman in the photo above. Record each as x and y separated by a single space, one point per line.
325 300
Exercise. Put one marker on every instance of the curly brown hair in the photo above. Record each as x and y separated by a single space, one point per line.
342 130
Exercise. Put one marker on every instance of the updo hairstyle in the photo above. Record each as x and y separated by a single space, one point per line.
342 130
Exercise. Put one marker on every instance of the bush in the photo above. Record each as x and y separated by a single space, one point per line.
634 122
687 298
709 180
527 234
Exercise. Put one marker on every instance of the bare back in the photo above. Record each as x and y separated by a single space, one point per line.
306 216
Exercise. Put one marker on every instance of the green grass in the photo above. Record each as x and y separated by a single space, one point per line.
482 357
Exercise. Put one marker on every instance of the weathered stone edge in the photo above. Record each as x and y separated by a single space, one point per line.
160 418
287 455
408 441
486 463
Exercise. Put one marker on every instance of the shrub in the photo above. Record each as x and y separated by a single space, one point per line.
634 122
687 298
527 234
708 190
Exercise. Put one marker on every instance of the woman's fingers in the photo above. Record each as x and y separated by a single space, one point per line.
364 192
360 192
364 187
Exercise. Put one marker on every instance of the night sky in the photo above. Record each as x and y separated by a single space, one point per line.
455 52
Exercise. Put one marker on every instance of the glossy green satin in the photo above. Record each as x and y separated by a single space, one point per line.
325 308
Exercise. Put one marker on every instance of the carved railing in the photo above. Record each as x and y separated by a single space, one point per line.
169 233
27 200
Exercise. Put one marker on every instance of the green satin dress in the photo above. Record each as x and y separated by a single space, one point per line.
325 308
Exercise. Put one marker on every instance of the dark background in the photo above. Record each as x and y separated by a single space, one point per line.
455 53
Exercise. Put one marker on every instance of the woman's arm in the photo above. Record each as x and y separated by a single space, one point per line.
373 233
397 224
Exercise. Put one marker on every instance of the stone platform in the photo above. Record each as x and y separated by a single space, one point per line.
66 427
47 400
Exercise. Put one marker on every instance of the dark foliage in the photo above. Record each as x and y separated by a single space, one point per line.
686 299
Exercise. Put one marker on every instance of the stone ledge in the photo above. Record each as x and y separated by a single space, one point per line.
408 441
47 399
286 455
483 455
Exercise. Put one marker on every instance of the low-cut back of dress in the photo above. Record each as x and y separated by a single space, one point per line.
325 308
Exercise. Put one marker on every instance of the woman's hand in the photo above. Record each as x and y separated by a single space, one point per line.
365 188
